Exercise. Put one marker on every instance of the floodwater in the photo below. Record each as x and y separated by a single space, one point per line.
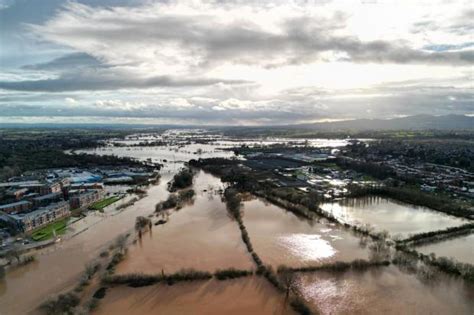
386 214
59 267
460 248
384 290
250 296
280 237
158 154
200 236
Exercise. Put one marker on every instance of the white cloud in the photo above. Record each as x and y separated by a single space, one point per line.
252 61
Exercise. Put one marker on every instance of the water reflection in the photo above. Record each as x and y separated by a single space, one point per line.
280 237
460 248
386 214
307 246
384 291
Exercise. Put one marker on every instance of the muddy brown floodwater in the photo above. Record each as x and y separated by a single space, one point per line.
249 296
58 267
385 291
280 237
200 236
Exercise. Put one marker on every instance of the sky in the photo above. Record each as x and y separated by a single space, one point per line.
238 62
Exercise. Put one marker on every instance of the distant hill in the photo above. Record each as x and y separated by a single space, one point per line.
418 122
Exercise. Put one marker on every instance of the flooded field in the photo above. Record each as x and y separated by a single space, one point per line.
58 267
251 296
395 217
460 248
384 291
280 237
200 235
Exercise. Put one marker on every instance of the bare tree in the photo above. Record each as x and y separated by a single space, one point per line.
288 279
121 242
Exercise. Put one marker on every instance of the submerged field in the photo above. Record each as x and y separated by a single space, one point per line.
201 235
250 295
460 248
397 218
384 290
280 237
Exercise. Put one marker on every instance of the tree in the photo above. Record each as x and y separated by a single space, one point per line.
141 223
288 279
13 254
121 242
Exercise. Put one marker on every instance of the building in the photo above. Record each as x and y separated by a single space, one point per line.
17 193
45 215
16 207
50 188
47 199
85 198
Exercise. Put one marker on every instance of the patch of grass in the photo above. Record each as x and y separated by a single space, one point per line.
46 232
99 205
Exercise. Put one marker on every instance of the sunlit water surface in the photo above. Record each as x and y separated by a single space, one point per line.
395 217
386 290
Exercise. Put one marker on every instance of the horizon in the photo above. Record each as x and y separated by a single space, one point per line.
233 63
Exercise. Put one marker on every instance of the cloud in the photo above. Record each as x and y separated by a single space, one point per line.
237 61
186 37
66 62
107 81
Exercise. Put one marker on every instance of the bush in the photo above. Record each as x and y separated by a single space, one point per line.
100 293
231 273
141 223
300 307
181 180
62 304
133 280
233 202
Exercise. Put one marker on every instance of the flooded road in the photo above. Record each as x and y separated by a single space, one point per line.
280 237
250 296
395 217
460 248
58 267
384 291
200 236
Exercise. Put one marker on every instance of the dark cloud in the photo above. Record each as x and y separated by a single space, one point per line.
80 82
66 62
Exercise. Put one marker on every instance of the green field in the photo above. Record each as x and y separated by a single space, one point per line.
47 232
99 205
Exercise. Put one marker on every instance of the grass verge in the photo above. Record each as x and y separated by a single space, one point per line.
46 232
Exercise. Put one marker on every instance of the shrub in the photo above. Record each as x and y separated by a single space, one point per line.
62 304
231 273
300 307
100 293
181 180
